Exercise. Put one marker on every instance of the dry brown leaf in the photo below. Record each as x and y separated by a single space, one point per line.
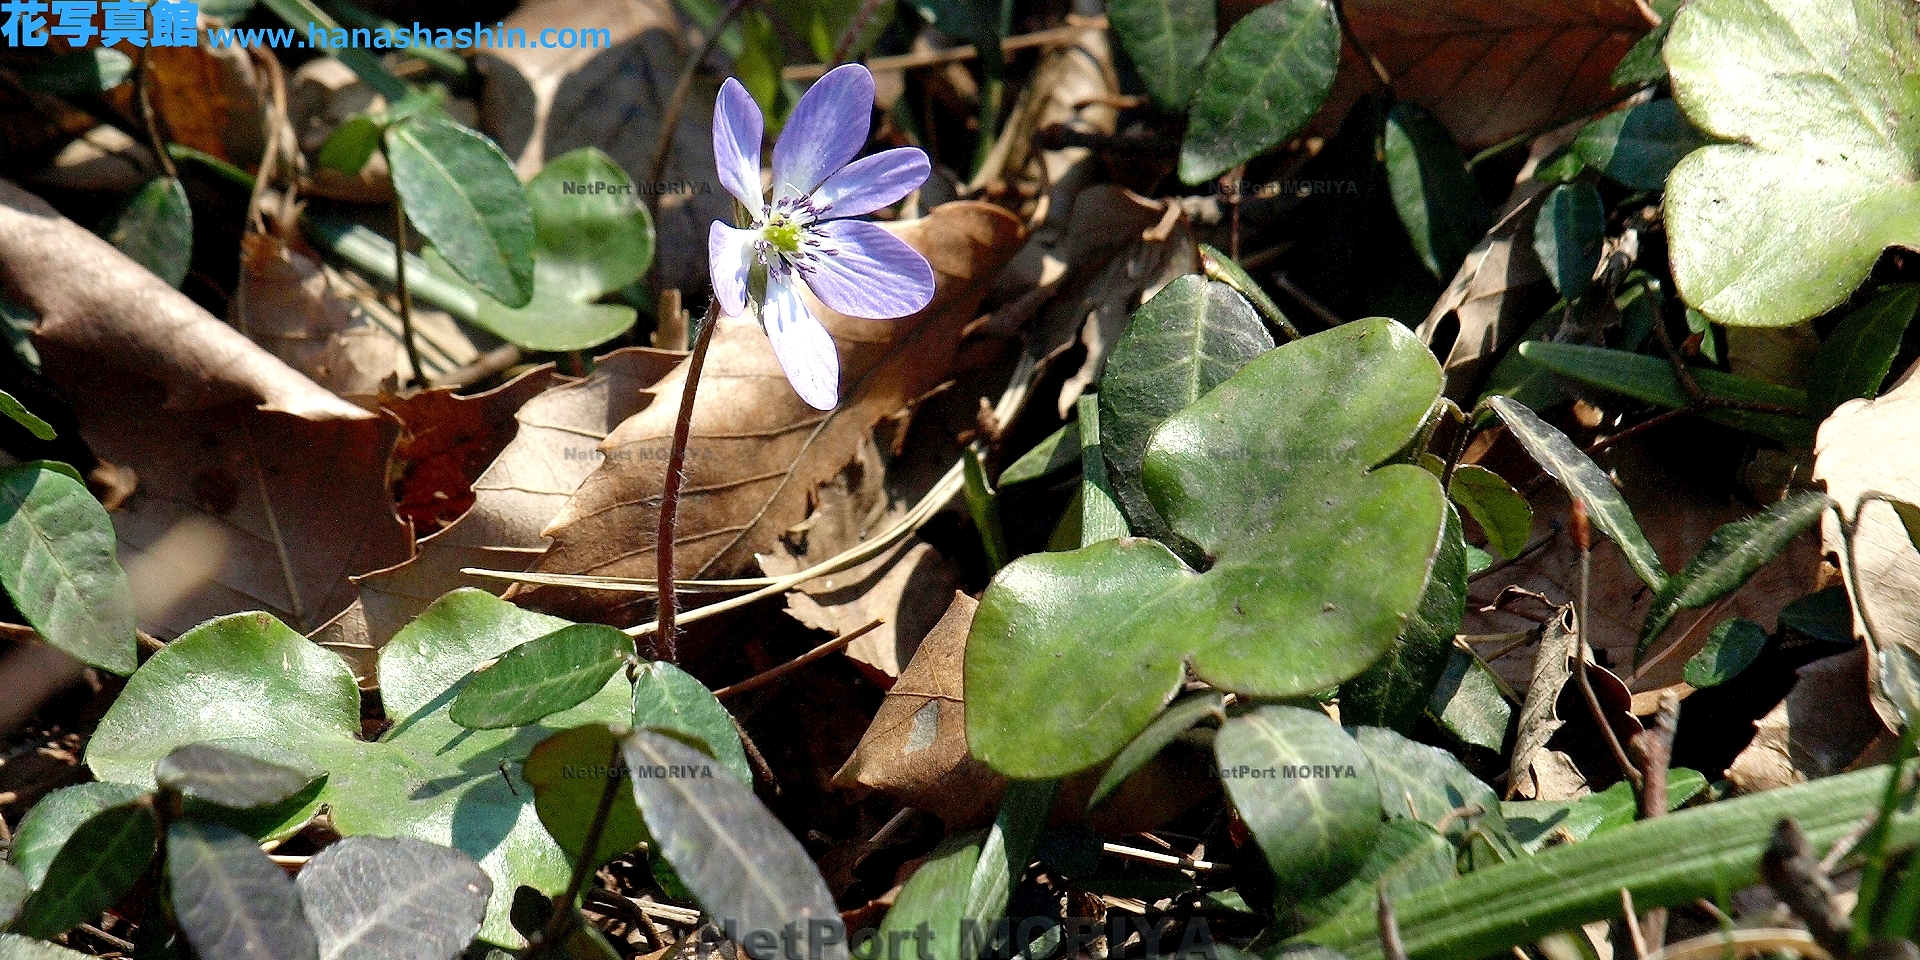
1484 309
1552 666
916 749
553 450
447 441
1490 69
286 303
757 451
258 489
1820 729
543 103
1873 447
211 99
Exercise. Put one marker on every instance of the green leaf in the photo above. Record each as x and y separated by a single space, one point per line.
105 855
1825 615
1193 334
984 510
1731 648
1468 704
374 898
568 772
1502 513
13 892
966 884
1567 234
592 235
49 823
233 780
1099 513
460 190
738 861
250 684
666 697
1219 266
1427 784
1854 360
1707 851
1433 192
57 562
1267 77
300 14
13 947
1319 554
542 677
351 144
1406 856
1168 42
1058 451
230 900
1585 480
1819 171
1651 379
936 896
1307 793
1735 552
19 414
1643 64
80 73
1182 715
1394 691
1638 146
156 229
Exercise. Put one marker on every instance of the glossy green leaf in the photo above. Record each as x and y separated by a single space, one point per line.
542 677
13 892
374 898
1433 192
1735 552
1467 703
666 697
936 895
1707 851
102 858
460 190
1394 691
1502 513
1818 171
351 145
48 824
15 411
967 882
1168 42
1585 480
1100 515
80 73
1567 234
1305 791
1180 716
738 860
1643 64
1193 335
1060 450
234 780
230 900
568 772
58 564
1731 648
251 684
156 229
592 234
1266 78
1406 856
1219 266
1319 554
14 947
1638 146
1651 379
984 510
1427 784
1855 358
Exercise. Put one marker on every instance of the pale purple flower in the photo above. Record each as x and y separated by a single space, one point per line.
798 237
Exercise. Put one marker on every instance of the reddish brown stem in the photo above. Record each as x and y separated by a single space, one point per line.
670 487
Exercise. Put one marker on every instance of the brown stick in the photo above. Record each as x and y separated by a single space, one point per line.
757 681
1791 870
1583 539
1652 748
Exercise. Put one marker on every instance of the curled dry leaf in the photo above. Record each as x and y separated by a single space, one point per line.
916 749
1820 729
447 441
757 451
259 490
1487 305
286 303
1873 447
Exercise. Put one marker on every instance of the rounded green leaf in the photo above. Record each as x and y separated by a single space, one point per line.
351 145
374 898
1168 41
1433 191
591 233
542 677
666 697
1307 793
156 229
1567 234
568 772
46 827
1639 146
462 194
1268 75
1319 557
99 862
233 780
57 562
230 900
1821 170
1731 648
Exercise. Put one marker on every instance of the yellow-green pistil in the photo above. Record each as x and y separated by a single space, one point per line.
783 234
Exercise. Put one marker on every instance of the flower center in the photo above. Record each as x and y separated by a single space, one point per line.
783 234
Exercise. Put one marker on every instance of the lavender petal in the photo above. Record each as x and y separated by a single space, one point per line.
828 126
737 129
729 258
862 270
804 348
870 183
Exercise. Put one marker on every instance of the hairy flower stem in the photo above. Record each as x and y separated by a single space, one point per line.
400 282
670 488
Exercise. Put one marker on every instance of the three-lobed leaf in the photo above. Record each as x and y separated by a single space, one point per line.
1732 554
58 564
371 898
460 190
1266 78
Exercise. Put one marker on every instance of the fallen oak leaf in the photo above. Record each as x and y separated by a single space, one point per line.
286 302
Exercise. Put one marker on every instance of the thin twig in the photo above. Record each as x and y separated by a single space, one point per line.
759 680
143 102
1627 915
667 528
1653 749
1161 859
1790 870
1391 946
1583 539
